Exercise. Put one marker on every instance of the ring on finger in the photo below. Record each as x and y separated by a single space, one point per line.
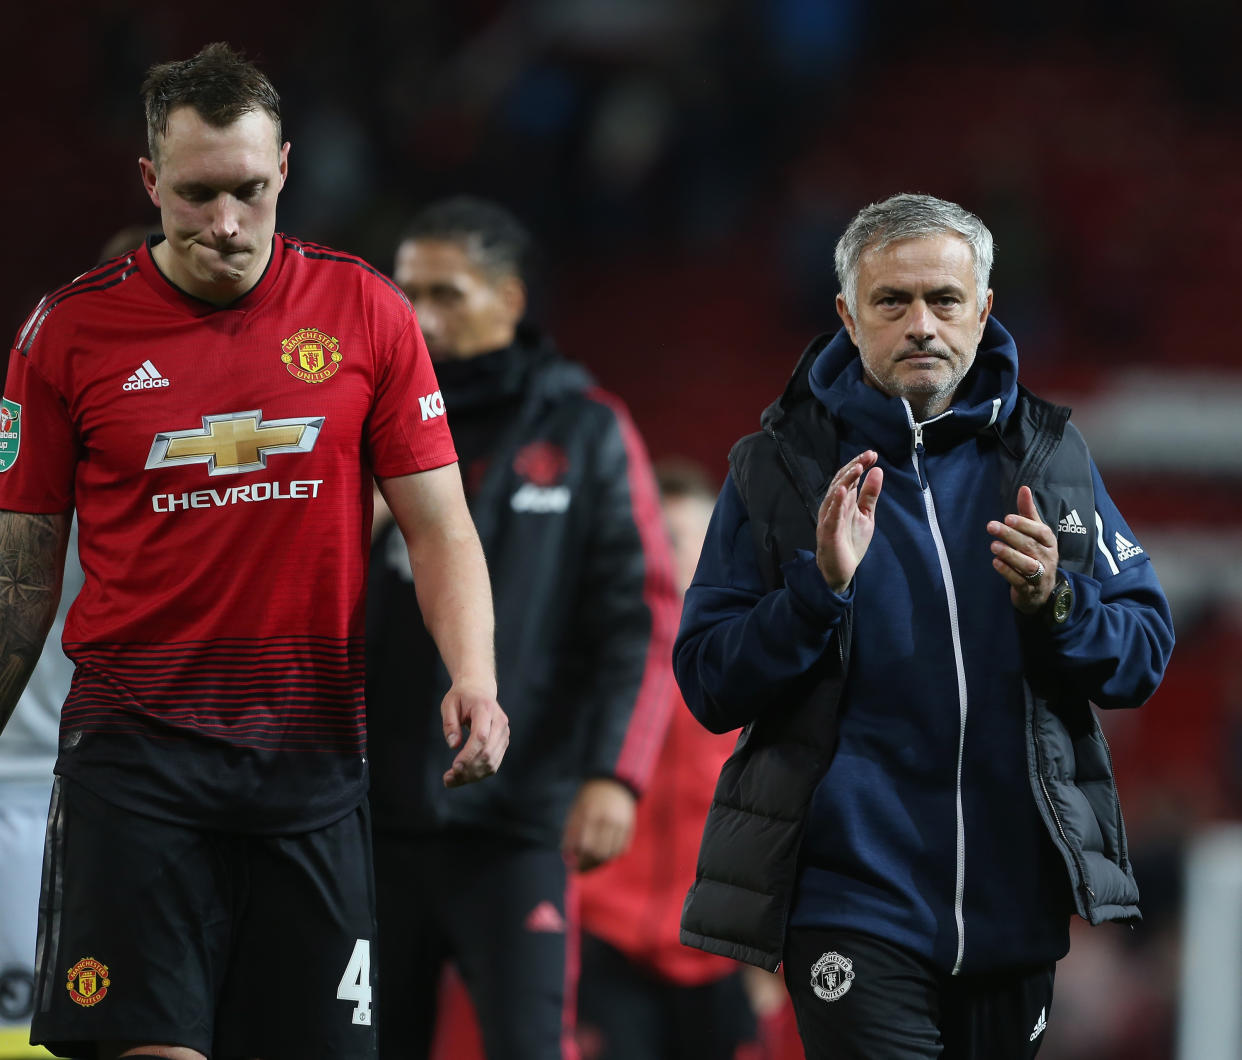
1036 574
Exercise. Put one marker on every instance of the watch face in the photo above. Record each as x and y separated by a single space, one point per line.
1063 603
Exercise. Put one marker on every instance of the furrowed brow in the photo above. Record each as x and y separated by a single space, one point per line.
946 289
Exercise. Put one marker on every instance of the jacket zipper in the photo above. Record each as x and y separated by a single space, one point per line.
845 663
959 894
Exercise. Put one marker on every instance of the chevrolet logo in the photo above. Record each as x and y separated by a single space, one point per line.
234 442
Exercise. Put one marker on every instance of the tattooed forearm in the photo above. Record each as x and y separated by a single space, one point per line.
32 562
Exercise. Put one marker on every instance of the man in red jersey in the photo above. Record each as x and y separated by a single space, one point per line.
216 406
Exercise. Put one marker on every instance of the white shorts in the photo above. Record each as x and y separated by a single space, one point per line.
23 823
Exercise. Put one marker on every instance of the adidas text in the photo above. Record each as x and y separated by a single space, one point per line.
1071 524
1125 549
146 378
531 498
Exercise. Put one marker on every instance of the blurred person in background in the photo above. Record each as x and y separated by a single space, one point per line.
131 237
562 493
913 588
642 993
28 748
208 829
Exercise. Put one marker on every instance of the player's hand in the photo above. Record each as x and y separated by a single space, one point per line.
1025 545
600 823
475 716
847 520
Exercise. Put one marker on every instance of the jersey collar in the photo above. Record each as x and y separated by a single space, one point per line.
188 303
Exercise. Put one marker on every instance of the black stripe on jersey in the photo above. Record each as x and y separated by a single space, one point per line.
99 272
271 726
230 648
272 693
228 644
342 749
318 252
345 745
98 281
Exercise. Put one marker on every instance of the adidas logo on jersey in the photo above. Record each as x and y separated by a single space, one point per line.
545 919
146 378
1125 549
1071 524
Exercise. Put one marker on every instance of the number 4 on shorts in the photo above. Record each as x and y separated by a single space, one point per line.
355 984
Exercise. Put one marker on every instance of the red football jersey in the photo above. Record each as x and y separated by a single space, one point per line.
221 463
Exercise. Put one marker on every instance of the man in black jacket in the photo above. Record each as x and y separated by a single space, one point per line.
561 491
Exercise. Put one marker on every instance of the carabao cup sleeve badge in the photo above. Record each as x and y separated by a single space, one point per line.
10 433
88 982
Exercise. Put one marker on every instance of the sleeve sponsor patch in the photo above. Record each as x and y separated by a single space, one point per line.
10 433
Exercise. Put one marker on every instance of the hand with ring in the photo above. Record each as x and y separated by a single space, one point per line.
1024 553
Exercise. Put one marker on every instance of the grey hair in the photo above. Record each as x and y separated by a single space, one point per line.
909 216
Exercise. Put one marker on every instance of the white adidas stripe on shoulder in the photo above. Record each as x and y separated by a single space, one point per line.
1099 542
30 321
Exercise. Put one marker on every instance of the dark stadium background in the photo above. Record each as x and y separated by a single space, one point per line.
689 164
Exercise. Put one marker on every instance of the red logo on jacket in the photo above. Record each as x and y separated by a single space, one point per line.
541 463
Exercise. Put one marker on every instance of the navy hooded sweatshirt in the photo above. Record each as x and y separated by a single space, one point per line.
924 830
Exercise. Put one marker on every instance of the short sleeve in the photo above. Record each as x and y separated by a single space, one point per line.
408 429
38 443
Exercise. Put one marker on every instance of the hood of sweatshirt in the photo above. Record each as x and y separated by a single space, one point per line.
986 396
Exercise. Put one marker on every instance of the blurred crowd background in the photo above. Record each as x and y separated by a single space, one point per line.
688 166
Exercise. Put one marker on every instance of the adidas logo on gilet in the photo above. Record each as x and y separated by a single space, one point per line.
1071 524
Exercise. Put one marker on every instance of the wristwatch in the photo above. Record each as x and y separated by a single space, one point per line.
1057 608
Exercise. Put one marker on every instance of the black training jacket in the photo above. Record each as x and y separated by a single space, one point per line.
567 511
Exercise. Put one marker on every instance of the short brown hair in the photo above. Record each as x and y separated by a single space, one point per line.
219 83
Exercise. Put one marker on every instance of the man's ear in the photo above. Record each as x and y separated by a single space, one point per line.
512 293
150 179
843 311
284 163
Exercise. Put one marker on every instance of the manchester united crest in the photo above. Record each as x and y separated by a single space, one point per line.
831 976
311 356
88 982
541 463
